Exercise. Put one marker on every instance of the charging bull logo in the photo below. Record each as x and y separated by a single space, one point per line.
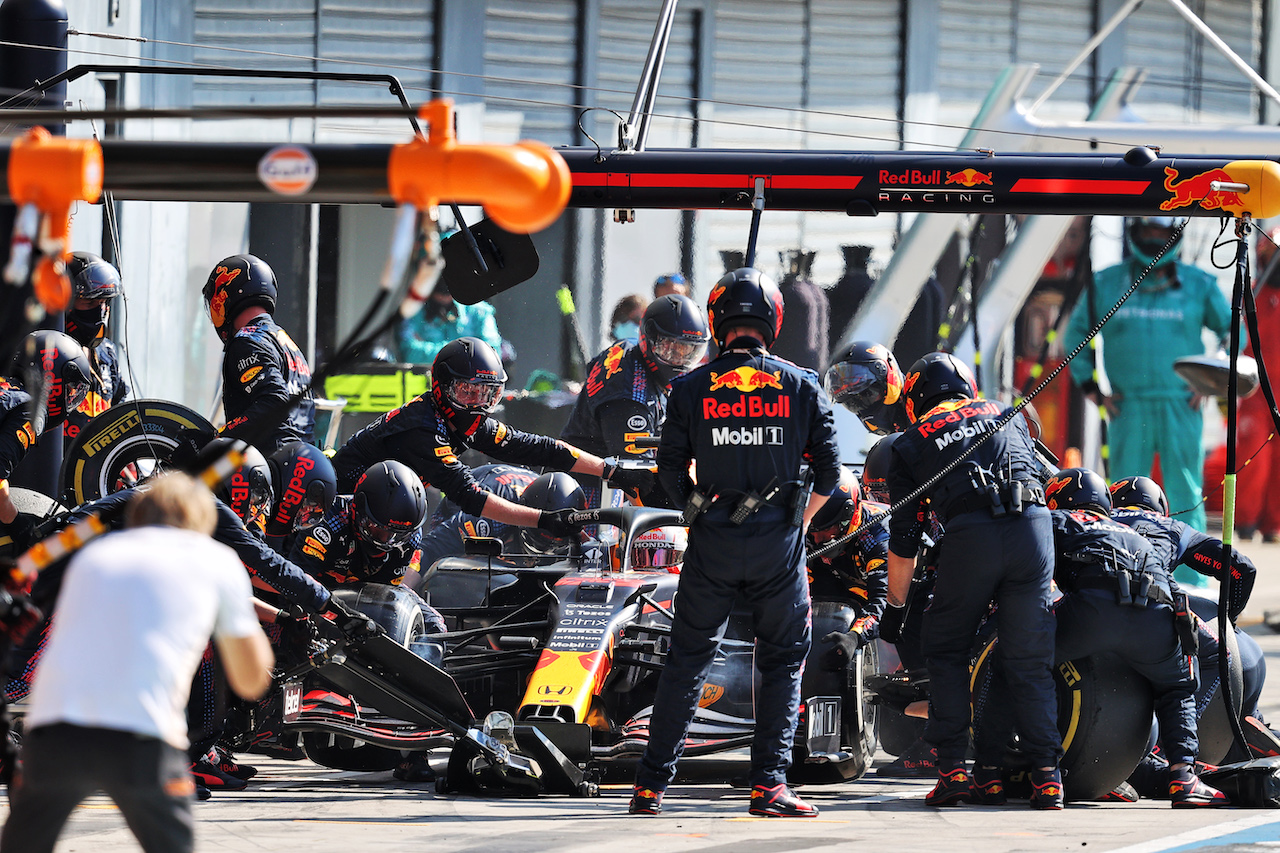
969 178
1053 491
746 379
613 360
1197 189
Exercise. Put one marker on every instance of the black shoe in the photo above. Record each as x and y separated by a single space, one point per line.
1122 793
987 786
919 761
223 760
779 801
1188 792
1046 789
202 792
415 768
954 786
645 801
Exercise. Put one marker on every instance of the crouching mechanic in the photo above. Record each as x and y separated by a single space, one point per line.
625 396
373 536
1119 598
867 381
998 548
430 432
857 571
750 419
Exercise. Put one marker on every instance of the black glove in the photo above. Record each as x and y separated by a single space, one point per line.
296 630
351 623
635 481
556 522
845 648
891 622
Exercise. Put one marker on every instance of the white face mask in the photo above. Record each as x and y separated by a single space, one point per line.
626 331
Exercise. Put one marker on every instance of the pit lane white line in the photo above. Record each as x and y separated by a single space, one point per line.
1218 834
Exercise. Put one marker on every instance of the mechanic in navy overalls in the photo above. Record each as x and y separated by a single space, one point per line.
625 395
262 368
432 430
998 547
1119 597
751 421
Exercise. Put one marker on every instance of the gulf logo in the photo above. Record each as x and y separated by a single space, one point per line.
288 170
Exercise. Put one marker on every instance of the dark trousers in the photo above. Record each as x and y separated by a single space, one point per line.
1091 622
761 566
1008 561
63 764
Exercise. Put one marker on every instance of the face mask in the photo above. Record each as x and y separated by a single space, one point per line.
87 325
626 331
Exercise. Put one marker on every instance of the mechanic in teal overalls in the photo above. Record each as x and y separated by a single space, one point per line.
1152 411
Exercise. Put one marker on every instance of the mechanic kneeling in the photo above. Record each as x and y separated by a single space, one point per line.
1120 598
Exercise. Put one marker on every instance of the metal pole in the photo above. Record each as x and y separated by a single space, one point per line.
649 73
1225 50
1089 47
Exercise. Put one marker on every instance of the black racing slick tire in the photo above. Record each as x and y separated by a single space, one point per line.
1104 716
122 444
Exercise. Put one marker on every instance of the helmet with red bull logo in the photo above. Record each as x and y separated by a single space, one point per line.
304 484
867 381
237 283
1078 488
673 336
55 372
934 378
248 488
745 297
875 470
838 515
1142 492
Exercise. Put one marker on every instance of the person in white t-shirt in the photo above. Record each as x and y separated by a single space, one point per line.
108 706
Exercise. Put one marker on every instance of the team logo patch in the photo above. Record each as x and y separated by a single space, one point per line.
322 533
249 374
442 452
613 360
500 434
636 422
746 379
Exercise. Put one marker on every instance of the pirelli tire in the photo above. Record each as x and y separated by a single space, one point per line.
36 506
134 433
1104 716
397 612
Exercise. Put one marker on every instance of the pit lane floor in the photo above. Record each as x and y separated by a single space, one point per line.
298 805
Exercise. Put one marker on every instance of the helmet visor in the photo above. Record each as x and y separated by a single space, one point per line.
382 536
474 395
681 354
659 557
309 512
855 386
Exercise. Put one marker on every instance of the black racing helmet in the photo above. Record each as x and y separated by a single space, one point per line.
673 336
55 370
91 278
248 488
936 377
304 483
1146 235
390 505
551 492
840 511
237 283
1142 492
1078 488
875 470
467 378
745 297
867 381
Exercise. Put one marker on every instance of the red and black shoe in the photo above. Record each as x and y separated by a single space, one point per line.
207 773
1188 792
221 758
1046 790
778 801
645 801
1122 793
954 786
918 761
988 786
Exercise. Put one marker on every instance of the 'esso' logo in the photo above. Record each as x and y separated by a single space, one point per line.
288 170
